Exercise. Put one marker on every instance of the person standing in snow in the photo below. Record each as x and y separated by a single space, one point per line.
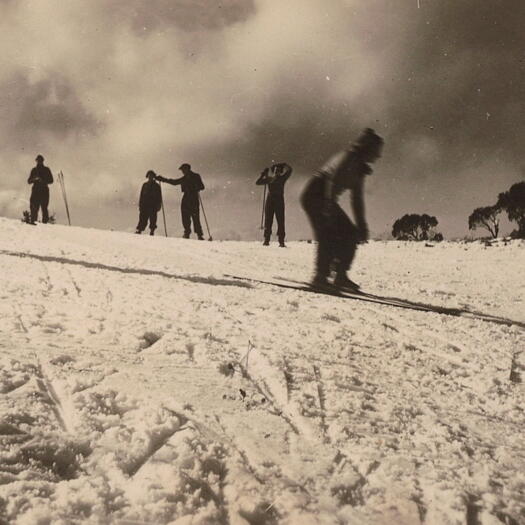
191 184
40 177
335 233
275 178
150 202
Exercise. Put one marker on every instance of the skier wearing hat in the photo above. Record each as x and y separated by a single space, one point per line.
40 177
275 178
191 184
337 236
149 204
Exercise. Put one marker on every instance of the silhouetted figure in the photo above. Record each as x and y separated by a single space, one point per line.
337 236
191 184
40 177
275 178
149 204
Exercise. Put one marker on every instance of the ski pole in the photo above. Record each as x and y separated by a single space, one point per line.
205 219
64 196
263 206
162 208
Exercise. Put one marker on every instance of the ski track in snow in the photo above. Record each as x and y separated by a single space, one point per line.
139 385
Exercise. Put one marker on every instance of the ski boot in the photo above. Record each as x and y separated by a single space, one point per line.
344 284
320 283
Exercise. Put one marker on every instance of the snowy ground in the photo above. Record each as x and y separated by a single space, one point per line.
138 384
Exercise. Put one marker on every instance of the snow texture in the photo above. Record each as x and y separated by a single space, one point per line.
139 384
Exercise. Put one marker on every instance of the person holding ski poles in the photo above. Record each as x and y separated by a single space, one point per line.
191 184
274 178
335 233
40 177
150 202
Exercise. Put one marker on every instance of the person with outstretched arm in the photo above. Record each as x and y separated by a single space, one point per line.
40 177
191 184
336 234
275 178
150 202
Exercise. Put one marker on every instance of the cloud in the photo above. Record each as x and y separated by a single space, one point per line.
12 203
187 15
48 107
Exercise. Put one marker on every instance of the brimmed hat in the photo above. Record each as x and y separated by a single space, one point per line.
151 172
184 166
39 157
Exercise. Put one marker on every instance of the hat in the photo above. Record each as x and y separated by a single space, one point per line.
151 172
39 157
184 166
369 138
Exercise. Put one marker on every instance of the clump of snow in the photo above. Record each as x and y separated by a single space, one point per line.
149 339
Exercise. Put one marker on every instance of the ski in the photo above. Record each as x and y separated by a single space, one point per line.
387 301
358 295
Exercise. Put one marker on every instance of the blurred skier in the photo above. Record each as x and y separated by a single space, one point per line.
275 178
149 204
191 184
40 177
335 233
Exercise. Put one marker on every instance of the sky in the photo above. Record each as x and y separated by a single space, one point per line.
108 90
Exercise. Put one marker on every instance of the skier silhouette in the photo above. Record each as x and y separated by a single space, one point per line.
191 184
337 236
275 178
40 177
149 204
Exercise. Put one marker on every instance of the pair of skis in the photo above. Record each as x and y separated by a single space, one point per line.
383 300
60 177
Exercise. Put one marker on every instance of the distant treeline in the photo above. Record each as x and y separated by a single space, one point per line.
415 227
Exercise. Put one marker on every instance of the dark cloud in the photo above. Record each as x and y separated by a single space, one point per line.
187 15
459 81
290 130
46 108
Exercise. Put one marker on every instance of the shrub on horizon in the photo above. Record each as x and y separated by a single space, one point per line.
415 227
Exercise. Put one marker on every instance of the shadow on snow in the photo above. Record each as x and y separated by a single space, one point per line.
141 271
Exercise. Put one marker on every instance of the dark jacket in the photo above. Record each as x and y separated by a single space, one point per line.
150 196
191 183
275 182
40 177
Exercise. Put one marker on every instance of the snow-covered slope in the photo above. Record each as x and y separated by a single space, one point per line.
138 384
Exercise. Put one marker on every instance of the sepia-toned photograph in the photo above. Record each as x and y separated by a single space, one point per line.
262 262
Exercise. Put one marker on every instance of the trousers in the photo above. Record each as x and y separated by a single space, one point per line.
145 215
190 209
336 234
39 200
274 207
